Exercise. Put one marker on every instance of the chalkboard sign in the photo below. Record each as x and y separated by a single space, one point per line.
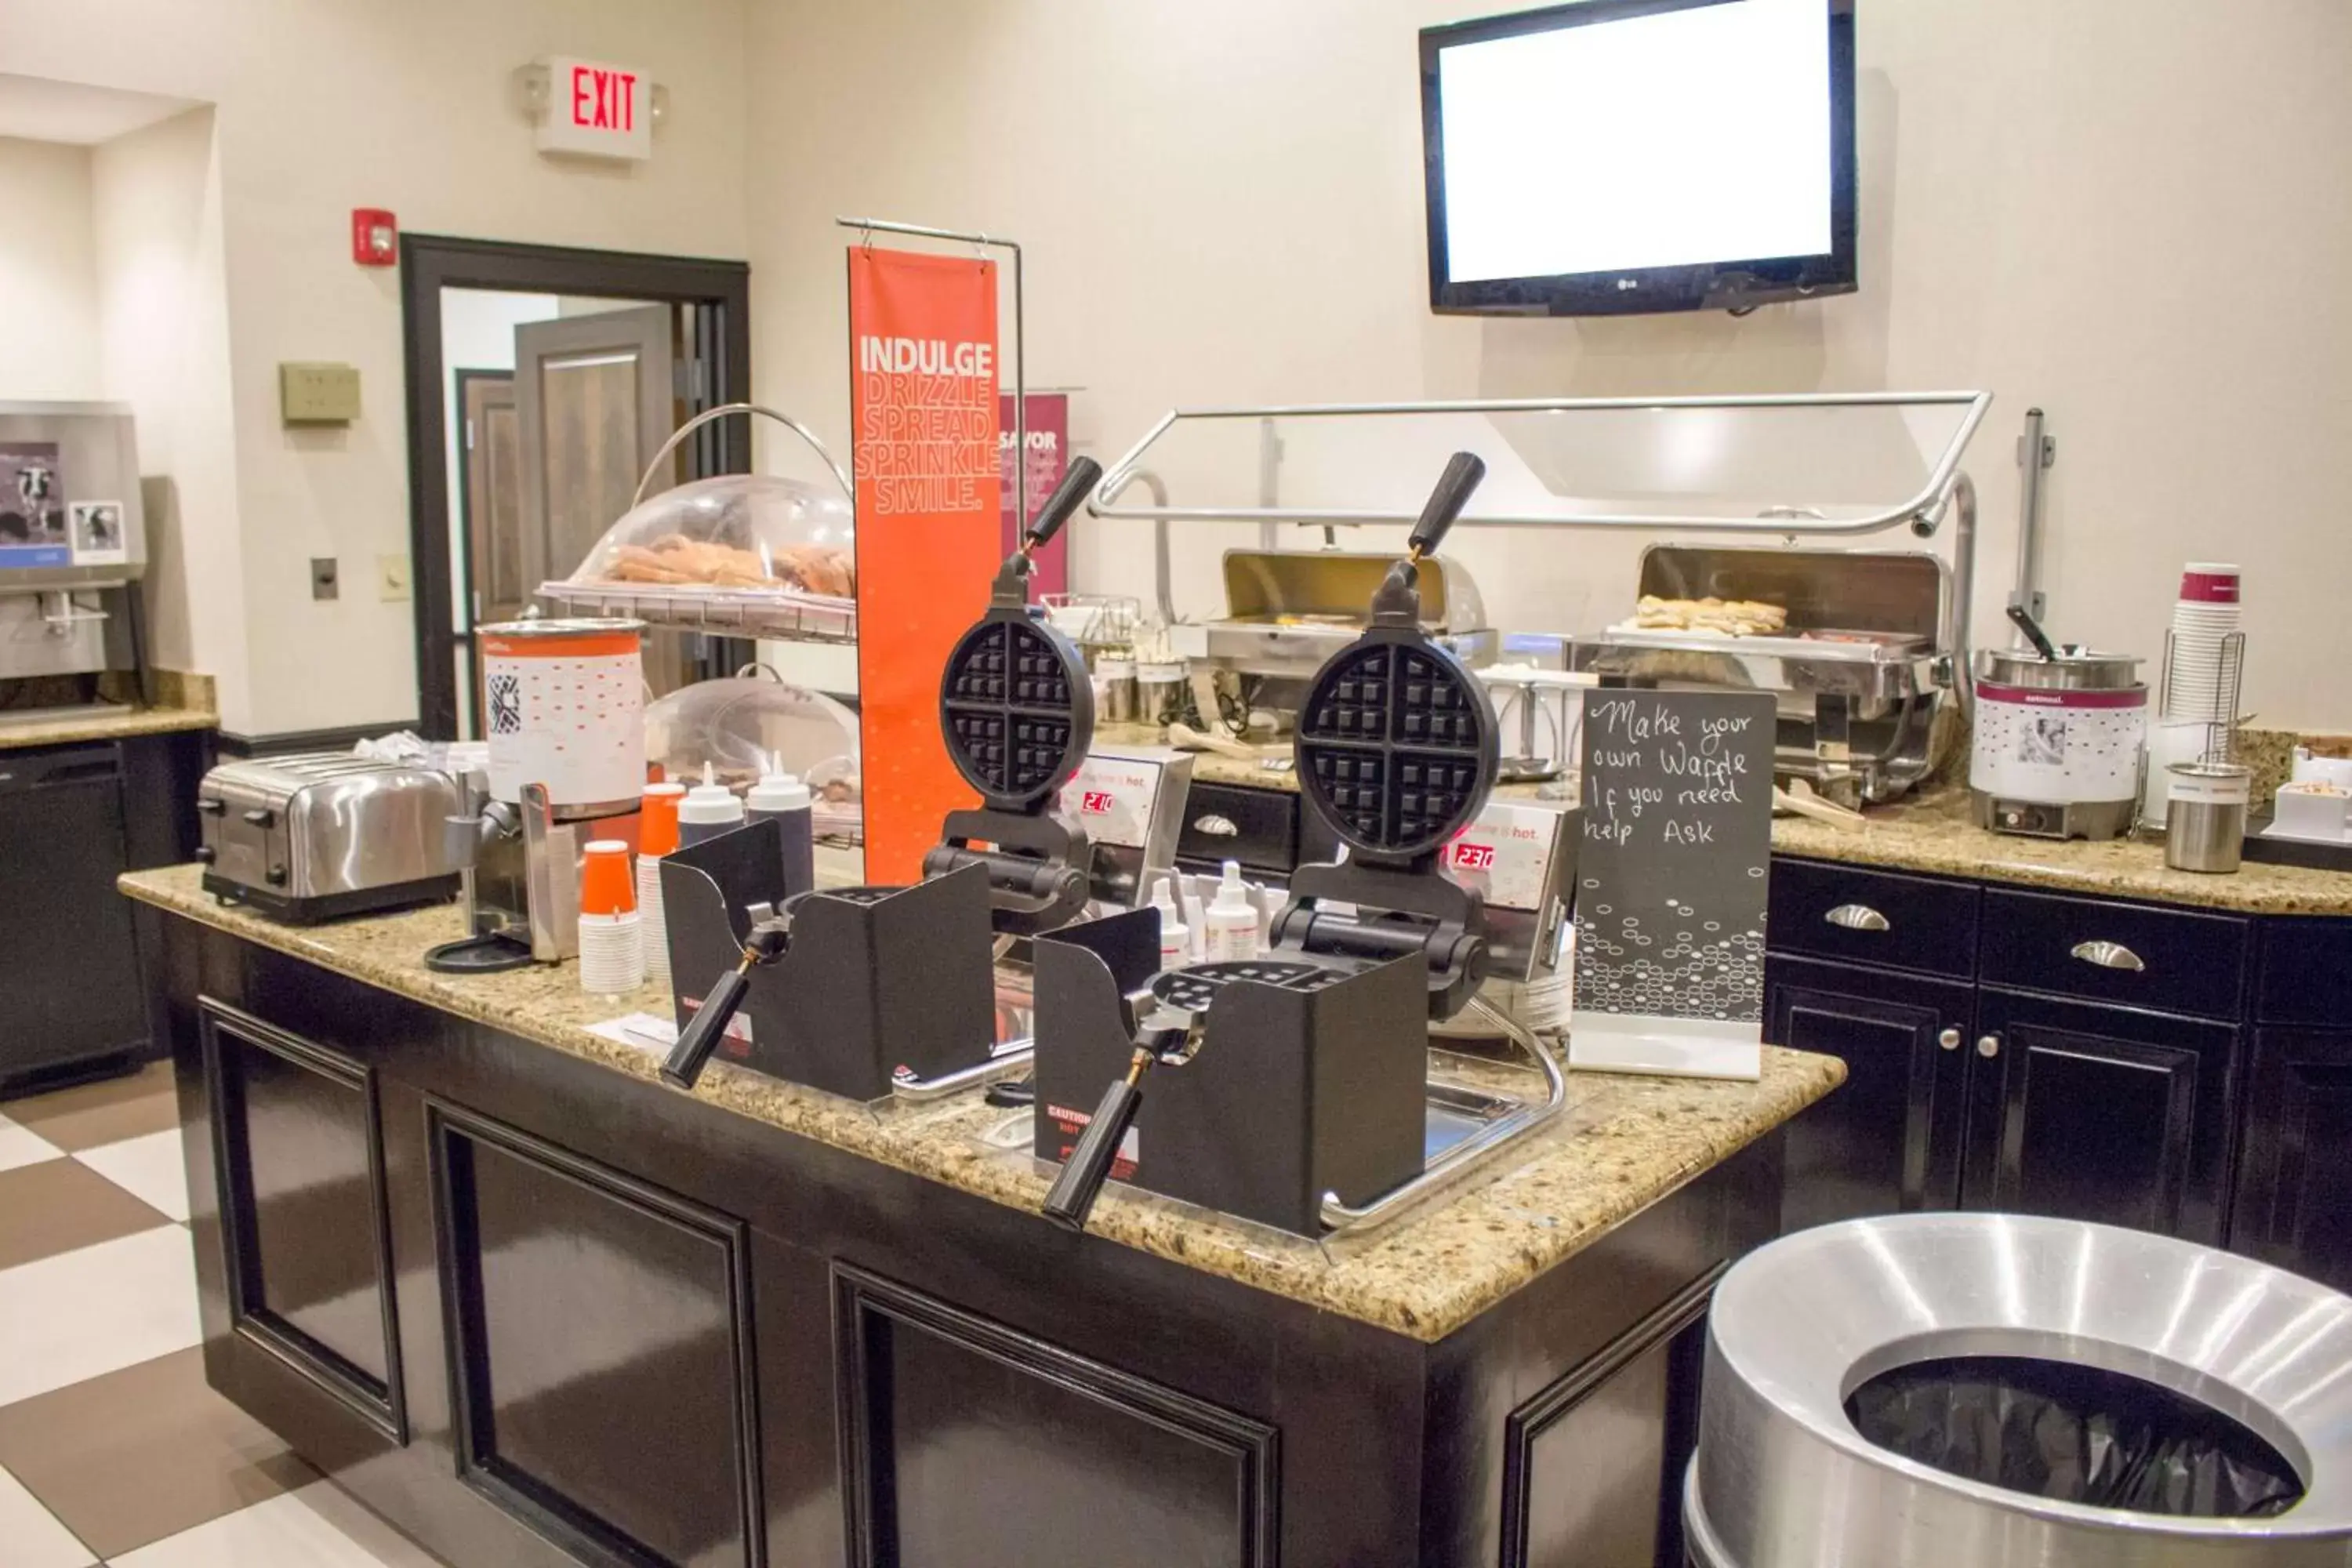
1671 882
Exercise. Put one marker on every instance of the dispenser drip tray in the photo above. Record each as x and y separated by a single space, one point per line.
2076 1434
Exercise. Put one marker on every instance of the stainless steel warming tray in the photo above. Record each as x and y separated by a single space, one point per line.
1287 611
1864 661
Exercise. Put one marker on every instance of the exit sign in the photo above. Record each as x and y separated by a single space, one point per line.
596 108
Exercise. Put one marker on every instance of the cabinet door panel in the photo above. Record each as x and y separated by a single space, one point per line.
2099 1114
2294 1202
73 989
1886 1139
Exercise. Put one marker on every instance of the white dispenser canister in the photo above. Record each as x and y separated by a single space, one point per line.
564 704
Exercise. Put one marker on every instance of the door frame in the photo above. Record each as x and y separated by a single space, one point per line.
722 293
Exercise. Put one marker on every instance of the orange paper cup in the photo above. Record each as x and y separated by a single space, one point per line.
657 822
606 886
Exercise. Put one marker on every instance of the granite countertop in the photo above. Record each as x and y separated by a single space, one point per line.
56 714
1931 833
69 726
1622 1143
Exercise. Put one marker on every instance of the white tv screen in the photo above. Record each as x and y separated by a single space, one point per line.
1621 137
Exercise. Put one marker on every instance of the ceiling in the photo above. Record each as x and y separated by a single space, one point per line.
38 109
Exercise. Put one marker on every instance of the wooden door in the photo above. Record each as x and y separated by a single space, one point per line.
2098 1113
2294 1185
596 400
489 519
1888 1141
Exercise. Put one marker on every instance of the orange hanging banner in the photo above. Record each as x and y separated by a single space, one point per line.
922 347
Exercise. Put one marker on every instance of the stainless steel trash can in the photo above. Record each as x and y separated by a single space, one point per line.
2038 1394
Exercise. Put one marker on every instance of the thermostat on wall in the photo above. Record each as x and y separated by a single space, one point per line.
318 394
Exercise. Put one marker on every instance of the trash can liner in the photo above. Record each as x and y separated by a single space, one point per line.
2075 1434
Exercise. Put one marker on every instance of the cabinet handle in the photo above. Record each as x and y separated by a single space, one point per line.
1987 1046
2109 955
1856 917
1950 1040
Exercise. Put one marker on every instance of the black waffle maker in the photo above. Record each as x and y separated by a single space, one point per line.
1016 709
1304 1069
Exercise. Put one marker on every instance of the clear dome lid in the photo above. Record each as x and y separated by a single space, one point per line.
734 555
740 531
744 725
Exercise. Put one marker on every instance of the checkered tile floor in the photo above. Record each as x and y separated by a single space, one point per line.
112 1449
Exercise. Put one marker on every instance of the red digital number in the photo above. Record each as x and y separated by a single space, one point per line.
1097 801
1474 856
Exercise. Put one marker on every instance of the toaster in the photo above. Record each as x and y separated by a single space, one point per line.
312 836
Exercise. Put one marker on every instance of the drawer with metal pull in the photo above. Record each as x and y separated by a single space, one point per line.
1821 910
1258 827
2173 960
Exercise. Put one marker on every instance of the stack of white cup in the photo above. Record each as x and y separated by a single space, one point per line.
2204 615
612 937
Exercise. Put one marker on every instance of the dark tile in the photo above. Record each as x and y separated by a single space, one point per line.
146 1452
107 1111
58 1205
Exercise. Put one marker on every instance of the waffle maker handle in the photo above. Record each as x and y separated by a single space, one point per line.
1083 474
1398 601
703 1032
1089 1166
1464 472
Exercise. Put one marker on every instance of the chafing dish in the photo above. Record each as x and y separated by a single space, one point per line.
1287 611
1860 671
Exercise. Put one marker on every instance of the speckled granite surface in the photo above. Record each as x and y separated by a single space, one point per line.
1933 834
182 703
1622 1143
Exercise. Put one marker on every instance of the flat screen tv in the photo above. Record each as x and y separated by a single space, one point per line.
1619 156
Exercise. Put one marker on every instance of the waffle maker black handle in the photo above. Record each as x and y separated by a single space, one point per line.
1083 474
1463 471
1089 1166
703 1032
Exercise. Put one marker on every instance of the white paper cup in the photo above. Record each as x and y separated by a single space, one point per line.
654 929
611 953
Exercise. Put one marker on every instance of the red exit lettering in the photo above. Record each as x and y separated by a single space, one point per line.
603 99
1097 801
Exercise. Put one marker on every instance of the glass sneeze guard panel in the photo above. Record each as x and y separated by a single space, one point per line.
1814 464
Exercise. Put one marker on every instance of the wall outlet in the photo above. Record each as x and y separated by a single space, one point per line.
324 584
392 578
318 394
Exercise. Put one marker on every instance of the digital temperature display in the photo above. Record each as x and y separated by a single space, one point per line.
1095 802
1474 856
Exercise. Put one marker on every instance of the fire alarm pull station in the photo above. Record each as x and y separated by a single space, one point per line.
375 238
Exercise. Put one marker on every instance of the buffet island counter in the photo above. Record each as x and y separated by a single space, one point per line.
475 1261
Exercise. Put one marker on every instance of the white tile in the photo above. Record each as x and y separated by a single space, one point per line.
22 1146
95 1310
148 1168
318 1527
30 1535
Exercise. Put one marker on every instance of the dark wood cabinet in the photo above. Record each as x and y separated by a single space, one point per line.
1887 1139
2084 1061
2098 1113
2295 1181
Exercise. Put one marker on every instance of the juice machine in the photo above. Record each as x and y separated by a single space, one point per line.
73 539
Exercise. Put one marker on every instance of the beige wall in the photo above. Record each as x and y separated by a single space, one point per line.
164 347
325 107
49 293
2129 212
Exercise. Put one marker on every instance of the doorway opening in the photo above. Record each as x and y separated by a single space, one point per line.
541 382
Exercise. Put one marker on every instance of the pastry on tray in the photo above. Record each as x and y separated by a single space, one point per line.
675 560
1722 617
